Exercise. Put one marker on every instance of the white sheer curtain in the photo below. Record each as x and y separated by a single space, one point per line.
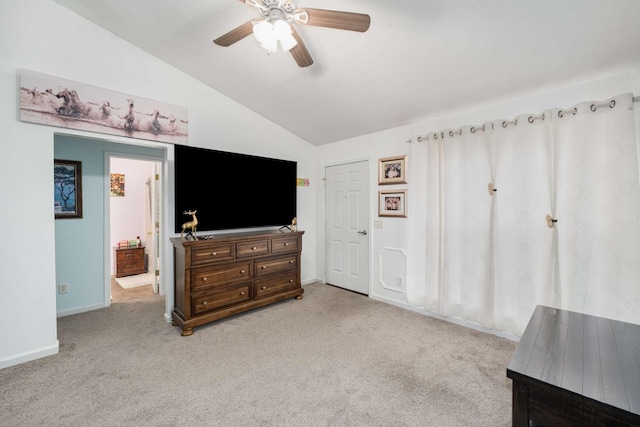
598 209
491 259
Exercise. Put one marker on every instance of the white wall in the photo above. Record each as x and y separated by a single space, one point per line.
395 232
44 37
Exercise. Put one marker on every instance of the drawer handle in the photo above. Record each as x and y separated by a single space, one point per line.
291 281
204 303
290 262
129 255
264 267
204 279
286 244
242 293
242 271
264 287
253 248
214 253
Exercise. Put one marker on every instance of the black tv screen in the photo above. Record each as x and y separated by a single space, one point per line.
232 191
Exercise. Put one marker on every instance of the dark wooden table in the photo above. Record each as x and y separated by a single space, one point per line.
572 369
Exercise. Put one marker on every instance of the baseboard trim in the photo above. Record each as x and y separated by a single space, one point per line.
78 310
458 321
28 356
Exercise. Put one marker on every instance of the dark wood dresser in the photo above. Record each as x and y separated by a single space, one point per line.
572 369
220 275
129 261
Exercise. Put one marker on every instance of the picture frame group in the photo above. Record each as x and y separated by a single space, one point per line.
392 170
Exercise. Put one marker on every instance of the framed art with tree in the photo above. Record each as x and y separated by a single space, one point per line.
67 188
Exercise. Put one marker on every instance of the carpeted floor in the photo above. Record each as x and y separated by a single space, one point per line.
334 358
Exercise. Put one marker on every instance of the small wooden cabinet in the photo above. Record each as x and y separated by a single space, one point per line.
225 274
129 261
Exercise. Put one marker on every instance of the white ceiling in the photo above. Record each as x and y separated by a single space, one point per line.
418 58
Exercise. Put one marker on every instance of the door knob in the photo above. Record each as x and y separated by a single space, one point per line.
362 233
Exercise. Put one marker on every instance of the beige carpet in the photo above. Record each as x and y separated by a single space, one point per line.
334 358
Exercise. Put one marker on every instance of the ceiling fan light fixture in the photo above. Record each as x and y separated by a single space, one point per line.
283 32
269 34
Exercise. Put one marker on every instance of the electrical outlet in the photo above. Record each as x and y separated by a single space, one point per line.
63 288
399 282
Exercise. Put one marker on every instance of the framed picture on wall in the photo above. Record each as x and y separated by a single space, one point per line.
117 185
67 188
392 170
392 203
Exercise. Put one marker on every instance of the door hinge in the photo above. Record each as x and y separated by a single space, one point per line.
157 177
157 225
157 273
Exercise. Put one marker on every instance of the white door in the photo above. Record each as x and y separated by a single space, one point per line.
152 225
346 228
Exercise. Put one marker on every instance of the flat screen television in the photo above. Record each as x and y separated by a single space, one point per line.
232 191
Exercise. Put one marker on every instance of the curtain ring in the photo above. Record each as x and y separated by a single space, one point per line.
504 124
419 139
593 107
451 133
435 136
560 113
612 103
542 116
530 119
575 110
473 129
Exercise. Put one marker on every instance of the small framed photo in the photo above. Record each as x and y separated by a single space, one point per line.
67 189
117 185
392 170
392 203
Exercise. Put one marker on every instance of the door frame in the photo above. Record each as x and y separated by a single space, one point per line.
371 189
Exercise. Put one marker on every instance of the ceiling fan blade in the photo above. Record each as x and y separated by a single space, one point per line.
235 35
299 51
336 19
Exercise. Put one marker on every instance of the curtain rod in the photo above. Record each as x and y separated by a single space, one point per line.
531 119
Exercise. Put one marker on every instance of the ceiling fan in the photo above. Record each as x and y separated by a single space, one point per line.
275 28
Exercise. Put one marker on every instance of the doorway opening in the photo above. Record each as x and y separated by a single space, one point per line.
134 210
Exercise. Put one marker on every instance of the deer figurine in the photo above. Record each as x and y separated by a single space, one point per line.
191 225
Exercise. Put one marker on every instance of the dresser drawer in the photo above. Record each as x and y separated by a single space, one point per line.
212 253
275 285
129 255
130 268
253 248
285 244
276 265
220 298
220 275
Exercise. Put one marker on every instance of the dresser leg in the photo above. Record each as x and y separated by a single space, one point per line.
187 331
299 296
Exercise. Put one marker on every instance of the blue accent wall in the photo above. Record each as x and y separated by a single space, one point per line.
80 248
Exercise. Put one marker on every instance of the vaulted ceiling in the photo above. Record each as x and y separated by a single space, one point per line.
418 58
